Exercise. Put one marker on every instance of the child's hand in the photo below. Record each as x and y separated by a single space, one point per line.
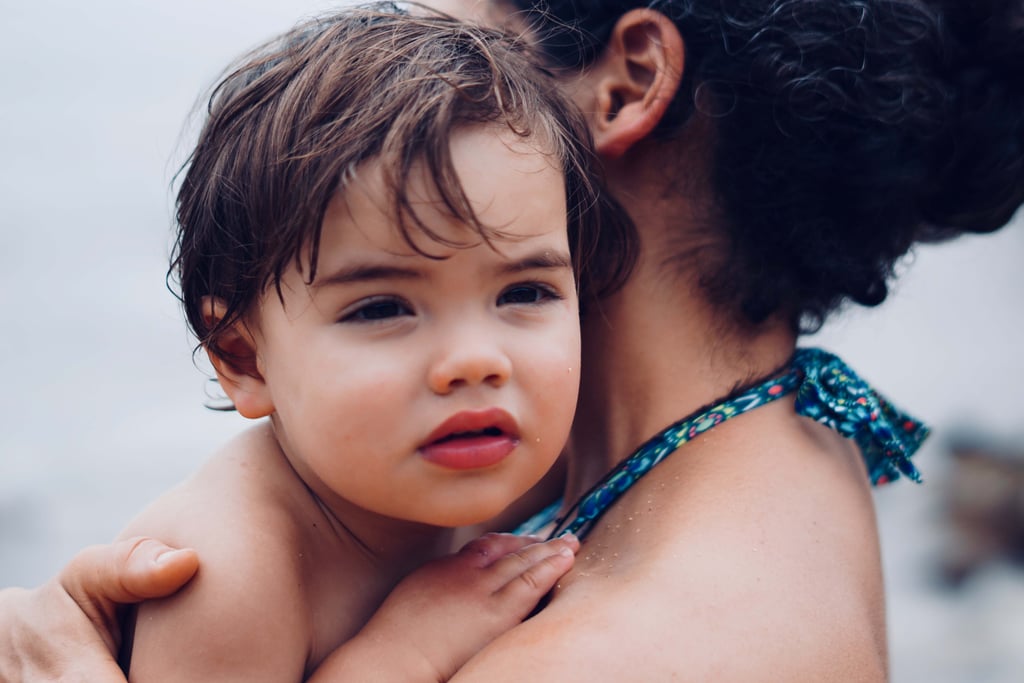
436 619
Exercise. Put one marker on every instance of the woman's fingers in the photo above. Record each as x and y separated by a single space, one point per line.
102 577
128 571
46 636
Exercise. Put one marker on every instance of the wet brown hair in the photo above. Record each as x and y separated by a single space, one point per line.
293 120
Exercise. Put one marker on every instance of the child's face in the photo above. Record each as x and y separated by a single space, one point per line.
436 391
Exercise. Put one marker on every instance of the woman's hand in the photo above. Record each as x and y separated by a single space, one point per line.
67 629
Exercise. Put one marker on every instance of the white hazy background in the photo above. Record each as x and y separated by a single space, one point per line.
101 403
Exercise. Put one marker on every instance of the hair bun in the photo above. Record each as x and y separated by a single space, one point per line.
979 182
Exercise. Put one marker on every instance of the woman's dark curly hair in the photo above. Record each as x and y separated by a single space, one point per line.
844 132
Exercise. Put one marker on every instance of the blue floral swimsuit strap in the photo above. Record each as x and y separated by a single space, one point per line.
827 391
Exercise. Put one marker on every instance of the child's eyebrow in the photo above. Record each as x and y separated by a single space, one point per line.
362 272
542 260
367 272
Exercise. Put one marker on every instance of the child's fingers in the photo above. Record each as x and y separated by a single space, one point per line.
489 548
531 572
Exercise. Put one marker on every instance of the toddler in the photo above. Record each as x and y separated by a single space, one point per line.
384 232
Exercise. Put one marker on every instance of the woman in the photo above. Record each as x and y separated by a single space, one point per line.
778 157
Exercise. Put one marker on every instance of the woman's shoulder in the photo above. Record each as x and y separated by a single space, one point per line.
772 538
769 482
753 549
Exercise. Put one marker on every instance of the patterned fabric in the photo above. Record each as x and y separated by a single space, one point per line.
832 394
827 391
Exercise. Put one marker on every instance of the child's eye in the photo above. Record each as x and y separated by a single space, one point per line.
375 310
527 294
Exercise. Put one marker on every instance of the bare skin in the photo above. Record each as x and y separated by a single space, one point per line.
489 587
750 555
753 553
67 629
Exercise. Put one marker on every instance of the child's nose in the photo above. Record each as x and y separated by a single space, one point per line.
469 362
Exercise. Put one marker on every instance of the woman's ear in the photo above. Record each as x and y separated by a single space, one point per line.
237 363
635 80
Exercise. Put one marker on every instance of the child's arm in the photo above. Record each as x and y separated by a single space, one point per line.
444 613
245 616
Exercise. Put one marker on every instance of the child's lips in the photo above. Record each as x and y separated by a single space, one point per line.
472 439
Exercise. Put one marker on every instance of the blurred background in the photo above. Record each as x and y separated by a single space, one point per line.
102 404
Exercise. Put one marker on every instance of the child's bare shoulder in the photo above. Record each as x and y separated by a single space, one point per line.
244 493
248 606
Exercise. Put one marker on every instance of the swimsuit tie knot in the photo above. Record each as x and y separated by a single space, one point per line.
832 394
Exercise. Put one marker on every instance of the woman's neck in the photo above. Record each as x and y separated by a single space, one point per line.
653 353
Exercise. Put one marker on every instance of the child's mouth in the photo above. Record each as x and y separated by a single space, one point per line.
489 431
472 440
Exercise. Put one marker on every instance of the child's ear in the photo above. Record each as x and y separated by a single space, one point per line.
237 363
636 80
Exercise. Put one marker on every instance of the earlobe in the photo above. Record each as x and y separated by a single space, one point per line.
237 364
636 80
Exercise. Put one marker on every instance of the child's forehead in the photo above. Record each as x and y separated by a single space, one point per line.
474 152
492 174
506 189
